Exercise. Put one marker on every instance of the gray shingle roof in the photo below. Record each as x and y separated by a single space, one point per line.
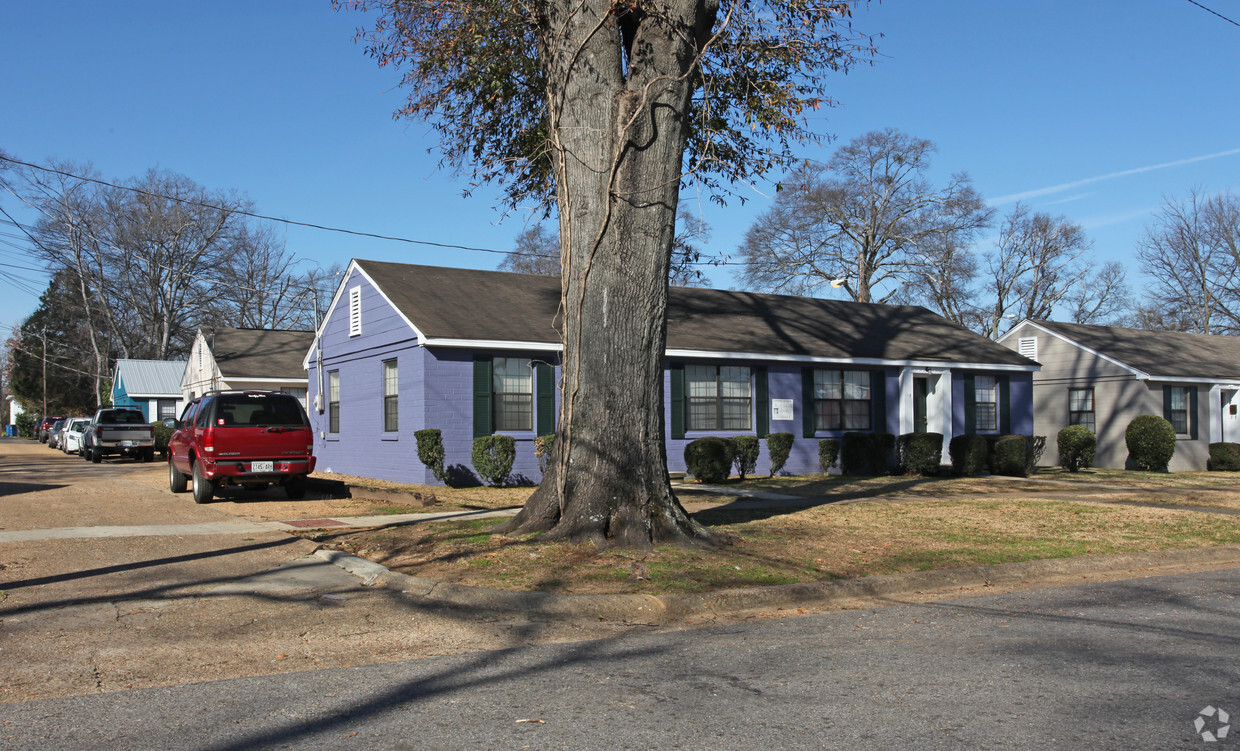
445 303
1169 354
151 377
259 353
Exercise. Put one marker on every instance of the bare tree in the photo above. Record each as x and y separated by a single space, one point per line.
538 251
1191 253
1038 264
870 217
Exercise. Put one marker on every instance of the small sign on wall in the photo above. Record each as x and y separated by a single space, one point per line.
781 409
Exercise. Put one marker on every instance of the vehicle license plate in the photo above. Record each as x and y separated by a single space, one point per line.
128 443
262 466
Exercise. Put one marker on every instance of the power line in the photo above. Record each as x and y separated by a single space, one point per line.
264 217
309 225
1220 15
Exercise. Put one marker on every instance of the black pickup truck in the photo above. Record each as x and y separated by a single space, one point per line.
119 431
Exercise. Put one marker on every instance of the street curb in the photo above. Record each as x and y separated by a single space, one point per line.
661 608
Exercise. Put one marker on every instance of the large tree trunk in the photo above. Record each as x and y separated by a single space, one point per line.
618 127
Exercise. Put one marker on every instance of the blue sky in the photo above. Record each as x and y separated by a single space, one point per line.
1091 110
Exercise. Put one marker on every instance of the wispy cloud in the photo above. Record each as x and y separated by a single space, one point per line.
1026 195
1069 199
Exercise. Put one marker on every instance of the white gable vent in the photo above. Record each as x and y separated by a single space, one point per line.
355 311
1028 346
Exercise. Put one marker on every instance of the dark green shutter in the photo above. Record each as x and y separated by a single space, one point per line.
544 383
970 405
678 400
483 418
1005 405
878 394
1192 413
807 402
1167 404
763 389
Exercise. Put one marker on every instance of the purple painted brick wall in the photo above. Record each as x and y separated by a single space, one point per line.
436 391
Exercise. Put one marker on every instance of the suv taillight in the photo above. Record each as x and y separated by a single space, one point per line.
208 440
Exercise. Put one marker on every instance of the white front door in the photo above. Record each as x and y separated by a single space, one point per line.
1230 422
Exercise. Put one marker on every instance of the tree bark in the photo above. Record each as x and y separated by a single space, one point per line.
619 90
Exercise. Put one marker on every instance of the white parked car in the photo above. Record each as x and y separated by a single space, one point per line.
71 437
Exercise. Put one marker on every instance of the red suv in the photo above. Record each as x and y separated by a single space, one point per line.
250 438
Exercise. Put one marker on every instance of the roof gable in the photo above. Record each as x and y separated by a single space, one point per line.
1158 354
457 306
258 353
150 377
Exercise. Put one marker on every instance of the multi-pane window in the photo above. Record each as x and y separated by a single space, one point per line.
842 400
389 396
333 401
718 397
1178 411
1081 408
167 408
986 399
513 385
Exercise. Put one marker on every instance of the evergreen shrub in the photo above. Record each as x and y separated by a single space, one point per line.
1011 456
866 453
779 448
1151 442
746 458
920 453
1077 445
709 459
430 451
493 456
828 452
1224 457
970 454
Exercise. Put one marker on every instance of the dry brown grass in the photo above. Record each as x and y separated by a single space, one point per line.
777 546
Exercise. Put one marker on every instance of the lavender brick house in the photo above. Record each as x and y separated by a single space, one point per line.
406 347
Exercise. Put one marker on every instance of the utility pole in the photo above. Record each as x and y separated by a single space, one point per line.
44 373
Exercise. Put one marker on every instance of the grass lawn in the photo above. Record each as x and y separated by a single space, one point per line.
786 545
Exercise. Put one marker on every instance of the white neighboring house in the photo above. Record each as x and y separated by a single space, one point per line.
15 409
152 386
229 358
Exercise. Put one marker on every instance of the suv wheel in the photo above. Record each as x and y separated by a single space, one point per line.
176 480
204 489
96 455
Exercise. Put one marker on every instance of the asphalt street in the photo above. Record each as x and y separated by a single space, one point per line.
1121 665
217 640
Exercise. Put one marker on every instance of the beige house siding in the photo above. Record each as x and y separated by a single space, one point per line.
1118 398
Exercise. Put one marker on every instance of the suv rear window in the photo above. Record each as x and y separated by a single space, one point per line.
258 410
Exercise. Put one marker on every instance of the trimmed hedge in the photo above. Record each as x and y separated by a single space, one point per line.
920 453
430 451
493 456
779 448
1151 442
746 457
1224 457
1077 445
866 453
709 459
970 454
828 452
1011 456
162 434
